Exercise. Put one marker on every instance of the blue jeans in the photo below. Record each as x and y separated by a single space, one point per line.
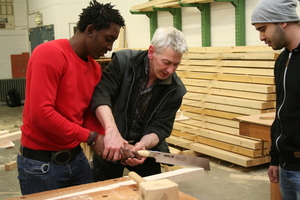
37 176
289 184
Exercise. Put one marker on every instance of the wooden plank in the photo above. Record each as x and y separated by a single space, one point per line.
238 49
250 56
218 153
230 70
227 108
253 153
227 77
228 138
258 88
233 63
175 176
115 189
209 112
196 1
148 5
202 56
3 132
255 130
211 126
211 119
10 137
168 5
7 145
247 103
261 119
10 166
232 93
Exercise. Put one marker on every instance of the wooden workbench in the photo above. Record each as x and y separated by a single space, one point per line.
115 189
258 126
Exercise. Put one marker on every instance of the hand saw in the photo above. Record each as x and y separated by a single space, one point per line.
176 159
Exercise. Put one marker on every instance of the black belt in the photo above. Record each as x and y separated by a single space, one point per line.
59 157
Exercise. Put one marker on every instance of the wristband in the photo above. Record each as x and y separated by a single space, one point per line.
92 141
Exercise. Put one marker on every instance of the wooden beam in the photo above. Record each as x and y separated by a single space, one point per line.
228 138
168 5
218 153
227 108
247 103
10 166
227 77
230 70
196 1
148 5
237 49
258 88
3 132
212 119
232 93
253 153
233 63
10 137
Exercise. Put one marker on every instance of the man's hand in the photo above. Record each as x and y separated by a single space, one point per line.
98 147
113 142
273 174
130 155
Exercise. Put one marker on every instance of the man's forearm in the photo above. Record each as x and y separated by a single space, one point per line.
149 141
105 116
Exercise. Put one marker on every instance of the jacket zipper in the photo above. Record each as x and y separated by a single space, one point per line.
284 97
158 106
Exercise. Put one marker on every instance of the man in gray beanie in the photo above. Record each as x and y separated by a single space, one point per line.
278 25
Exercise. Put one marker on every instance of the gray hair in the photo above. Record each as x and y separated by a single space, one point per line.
169 37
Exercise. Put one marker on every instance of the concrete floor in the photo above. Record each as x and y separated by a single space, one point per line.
225 181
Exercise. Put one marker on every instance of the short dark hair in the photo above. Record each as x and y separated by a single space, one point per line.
100 16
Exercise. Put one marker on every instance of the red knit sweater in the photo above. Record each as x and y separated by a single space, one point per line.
59 88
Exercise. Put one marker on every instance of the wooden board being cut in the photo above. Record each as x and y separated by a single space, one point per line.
114 189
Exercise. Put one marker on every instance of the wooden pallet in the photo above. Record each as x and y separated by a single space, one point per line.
224 83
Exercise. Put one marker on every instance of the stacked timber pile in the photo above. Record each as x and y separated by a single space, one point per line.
225 83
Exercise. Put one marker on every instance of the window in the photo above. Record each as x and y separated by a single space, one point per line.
6 14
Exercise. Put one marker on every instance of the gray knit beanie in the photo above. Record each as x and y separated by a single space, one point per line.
273 11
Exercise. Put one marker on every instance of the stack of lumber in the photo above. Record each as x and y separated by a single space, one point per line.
225 83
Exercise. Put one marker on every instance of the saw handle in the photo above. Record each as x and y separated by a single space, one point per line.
137 178
144 153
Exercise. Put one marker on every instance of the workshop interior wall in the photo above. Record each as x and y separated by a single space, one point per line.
65 14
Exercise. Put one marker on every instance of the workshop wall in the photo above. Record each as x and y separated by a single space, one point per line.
13 41
64 15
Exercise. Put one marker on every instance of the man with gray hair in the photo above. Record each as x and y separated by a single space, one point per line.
136 103
278 25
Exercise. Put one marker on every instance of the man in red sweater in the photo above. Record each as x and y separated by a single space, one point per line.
61 78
